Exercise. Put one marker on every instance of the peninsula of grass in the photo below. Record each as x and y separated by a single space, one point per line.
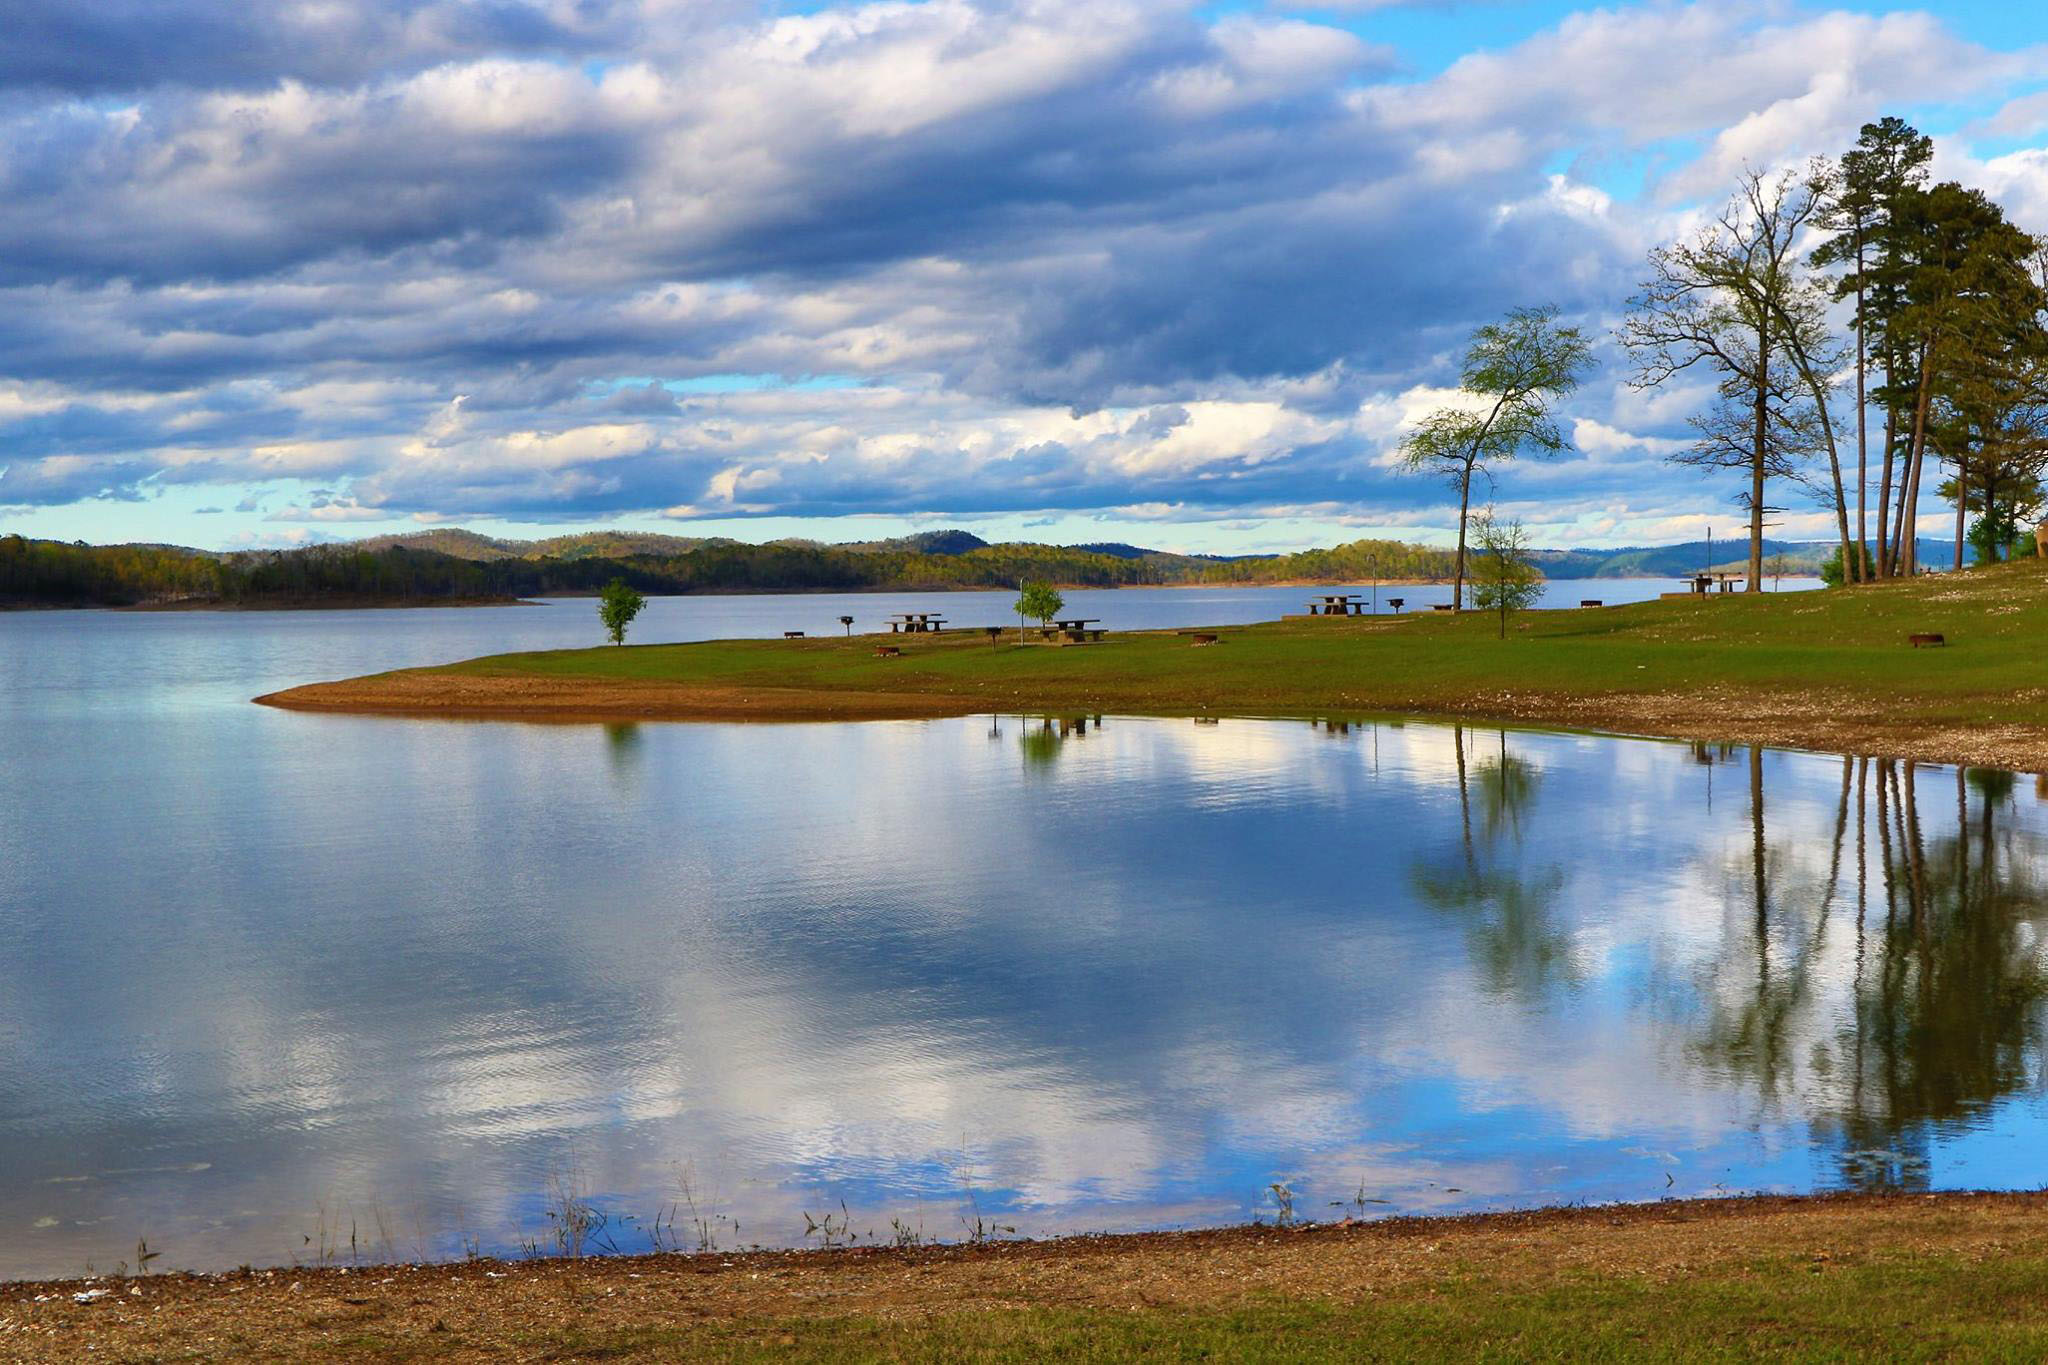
1829 670
1906 1277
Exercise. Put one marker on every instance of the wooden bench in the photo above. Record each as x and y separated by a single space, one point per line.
1440 606
888 652
1929 640
792 635
1591 602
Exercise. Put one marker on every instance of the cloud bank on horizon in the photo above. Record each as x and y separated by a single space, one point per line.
1129 269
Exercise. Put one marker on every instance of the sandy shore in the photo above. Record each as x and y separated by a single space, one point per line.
1814 720
474 697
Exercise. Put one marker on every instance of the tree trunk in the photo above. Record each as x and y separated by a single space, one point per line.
1850 554
1884 496
1758 453
1458 571
1827 427
1962 499
1853 573
1909 510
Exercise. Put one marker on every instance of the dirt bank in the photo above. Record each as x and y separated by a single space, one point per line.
1813 1272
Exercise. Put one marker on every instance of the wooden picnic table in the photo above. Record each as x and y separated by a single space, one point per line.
916 622
1078 629
1337 604
1703 583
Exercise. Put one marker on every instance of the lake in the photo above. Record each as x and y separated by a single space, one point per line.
281 987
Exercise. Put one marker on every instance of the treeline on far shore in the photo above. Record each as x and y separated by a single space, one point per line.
65 574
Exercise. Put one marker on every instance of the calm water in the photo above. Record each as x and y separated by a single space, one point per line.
265 977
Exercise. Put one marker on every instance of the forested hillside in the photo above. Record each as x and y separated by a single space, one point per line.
461 565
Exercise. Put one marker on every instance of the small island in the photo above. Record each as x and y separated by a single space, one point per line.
1820 670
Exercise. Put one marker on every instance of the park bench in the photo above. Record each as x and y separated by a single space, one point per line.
1440 606
1926 640
792 635
1591 602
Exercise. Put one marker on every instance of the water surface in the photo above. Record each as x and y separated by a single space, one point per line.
267 977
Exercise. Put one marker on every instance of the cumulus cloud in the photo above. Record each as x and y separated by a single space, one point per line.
462 257
120 46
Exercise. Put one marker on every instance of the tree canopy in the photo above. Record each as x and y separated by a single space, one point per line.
1514 371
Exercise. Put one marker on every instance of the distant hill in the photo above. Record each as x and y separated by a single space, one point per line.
452 541
924 543
1802 558
450 564
615 545
460 544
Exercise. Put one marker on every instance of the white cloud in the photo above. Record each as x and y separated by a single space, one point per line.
450 272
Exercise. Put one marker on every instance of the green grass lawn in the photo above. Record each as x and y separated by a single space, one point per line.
1849 646
1913 1307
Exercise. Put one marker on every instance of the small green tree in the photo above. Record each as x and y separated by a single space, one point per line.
1507 580
617 605
1515 371
1040 601
1831 568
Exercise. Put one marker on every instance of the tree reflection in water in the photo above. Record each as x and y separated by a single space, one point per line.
1511 915
1043 738
1929 1012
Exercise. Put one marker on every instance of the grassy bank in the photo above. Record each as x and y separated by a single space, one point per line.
1828 670
1905 1277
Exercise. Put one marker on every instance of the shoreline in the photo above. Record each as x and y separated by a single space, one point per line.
327 604
361 603
1833 672
1805 722
1803 1264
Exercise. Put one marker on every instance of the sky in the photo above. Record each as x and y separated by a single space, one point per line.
280 271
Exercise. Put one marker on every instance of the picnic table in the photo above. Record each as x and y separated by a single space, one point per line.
1077 629
1704 583
1337 604
916 622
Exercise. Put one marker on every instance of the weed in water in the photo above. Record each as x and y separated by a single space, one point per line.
1283 1203
578 1225
831 1229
